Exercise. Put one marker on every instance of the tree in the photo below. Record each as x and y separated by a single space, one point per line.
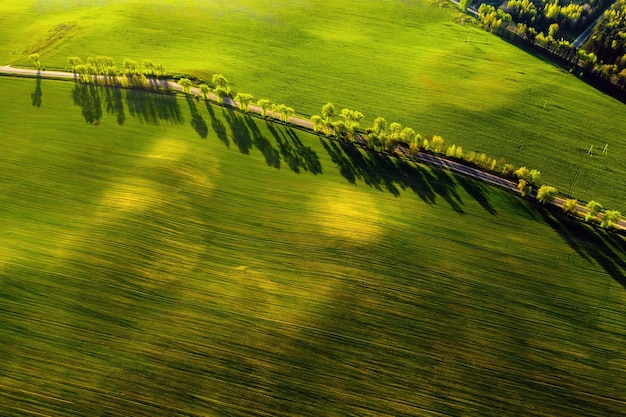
340 129
220 81
394 130
316 121
569 206
288 112
534 176
186 84
130 66
552 30
407 135
328 111
148 67
35 59
593 208
352 120
160 68
609 218
524 188
380 126
204 89
74 61
523 173
436 143
264 104
244 101
464 4
546 194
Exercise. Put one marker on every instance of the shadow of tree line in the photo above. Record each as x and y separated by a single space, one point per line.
385 172
592 244
154 106
393 174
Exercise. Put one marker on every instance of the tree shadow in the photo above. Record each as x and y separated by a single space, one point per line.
392 174
114 103
87 96
197 121
240 132
153 108
476 189
217 125
296 155
590 243
36 95
272 158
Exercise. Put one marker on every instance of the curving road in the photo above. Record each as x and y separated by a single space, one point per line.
419 156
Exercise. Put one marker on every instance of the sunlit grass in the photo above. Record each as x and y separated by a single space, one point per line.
146 270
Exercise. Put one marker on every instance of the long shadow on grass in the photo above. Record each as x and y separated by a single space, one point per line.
217 125
197 121
591 244
295 154
240 132
153 108
114 103
272 158
36 95
392 174
87 96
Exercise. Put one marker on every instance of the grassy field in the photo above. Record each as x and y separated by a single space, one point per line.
180 259
407 61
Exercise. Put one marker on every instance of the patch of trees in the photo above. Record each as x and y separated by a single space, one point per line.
550 24
102 69
593 213
606 47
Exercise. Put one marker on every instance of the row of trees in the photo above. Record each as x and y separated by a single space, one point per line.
381 136
104 65
594 213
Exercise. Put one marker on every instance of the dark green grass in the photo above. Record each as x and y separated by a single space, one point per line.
158 267
410 62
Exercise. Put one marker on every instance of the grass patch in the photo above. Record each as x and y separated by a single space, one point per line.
410 62
149 268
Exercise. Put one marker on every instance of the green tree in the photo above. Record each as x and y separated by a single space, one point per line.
533 176
609 218
553 29
148 67
185 83
570 206
74 61
593 208
316 121
524 188
288 112
380 126
220 81
160 68
35 59
464 4
523 173
130 66
328 111
407 135
546 194
204 89
436 143
244 101
265 105
339 128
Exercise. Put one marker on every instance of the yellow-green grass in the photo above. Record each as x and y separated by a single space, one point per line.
411 62
156 267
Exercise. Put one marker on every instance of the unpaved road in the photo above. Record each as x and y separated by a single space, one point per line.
420 157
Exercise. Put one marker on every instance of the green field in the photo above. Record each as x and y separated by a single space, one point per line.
182 259
411 62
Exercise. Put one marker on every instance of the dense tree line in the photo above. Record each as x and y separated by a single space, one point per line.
607 44
552 24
